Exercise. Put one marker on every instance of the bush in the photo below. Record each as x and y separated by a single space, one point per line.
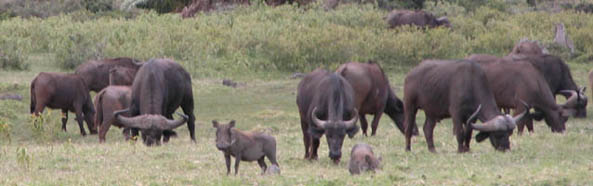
14 52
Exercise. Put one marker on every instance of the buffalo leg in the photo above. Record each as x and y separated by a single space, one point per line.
363 124
409 124
135 133
459 134
237 161
167 134
526 120
429 125
306 139
188 109
64 119
468 137
262 164
375 122
126 133
80 119
227 160
103 131
314 148
90 123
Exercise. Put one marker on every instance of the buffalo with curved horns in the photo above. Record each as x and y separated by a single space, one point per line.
456 89
96 72
372 94
160 87
152 126
67 92
512 80
326 106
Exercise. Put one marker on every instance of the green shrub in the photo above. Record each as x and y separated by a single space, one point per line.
14 52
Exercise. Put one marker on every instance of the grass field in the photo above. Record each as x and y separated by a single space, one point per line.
46 155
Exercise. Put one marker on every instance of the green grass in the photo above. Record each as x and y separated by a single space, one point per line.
267 102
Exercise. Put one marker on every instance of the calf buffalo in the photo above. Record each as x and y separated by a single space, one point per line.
362 158
245 146
456 89
513 80
96 72
107 101
326 106
67 92
159 88
372 94
416 18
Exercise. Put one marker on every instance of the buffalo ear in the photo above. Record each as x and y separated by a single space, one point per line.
232 124
352 131
214 123
482 136
316 133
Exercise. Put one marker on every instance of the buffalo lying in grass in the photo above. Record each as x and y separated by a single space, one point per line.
418 18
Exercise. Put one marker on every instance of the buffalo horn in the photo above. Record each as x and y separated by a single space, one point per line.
319 123
133 122
171 124
350 123
520 116
469 120
572 100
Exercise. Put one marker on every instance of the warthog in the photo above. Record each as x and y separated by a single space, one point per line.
363 159
246 146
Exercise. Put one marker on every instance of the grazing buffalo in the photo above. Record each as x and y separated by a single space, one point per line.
67 92
121 76
456 89
96 72
514 80
152 126
326 106
245 146
418 18
107 101
372 94
159 88
559 79
363 159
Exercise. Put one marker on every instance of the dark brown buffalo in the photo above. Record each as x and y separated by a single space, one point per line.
372 94
96 72
121 76
159 88
106 102
362 158
245 146
418 18
456 89
67 92
152 126
326 106
520 80
559 79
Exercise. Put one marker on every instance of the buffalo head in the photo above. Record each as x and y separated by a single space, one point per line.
576 103
151 125
335 130
224 135
497 129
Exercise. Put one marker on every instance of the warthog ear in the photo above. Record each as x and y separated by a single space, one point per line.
352 131
214 123
232 124
482 136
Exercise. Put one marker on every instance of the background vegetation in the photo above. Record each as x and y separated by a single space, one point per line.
260 47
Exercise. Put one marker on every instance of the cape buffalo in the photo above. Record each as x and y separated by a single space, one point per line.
372 94
418 18
363 159
159 88
67 92
96 72
245 146
106 102
456 89
152 126
527 47
326 106
513 80
121 76
559 79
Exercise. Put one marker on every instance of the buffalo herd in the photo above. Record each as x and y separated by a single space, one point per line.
141 97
